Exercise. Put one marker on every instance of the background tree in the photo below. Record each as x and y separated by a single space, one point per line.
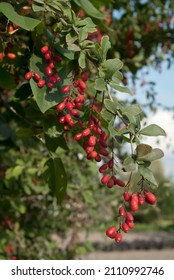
61 120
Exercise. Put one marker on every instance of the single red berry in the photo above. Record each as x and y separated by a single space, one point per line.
75 113
111 232
66 89
130 224
10 29
105 179
41 83
98 158
37 76
92 155
110 183
134 205
103 136
86 132
121 211
81 91
103 152
51 65
50 85
111 163
129 217
48 71
140 199
118 237
92 140
150 197
127 196
89 149
1 56
15 25
78 106
11 55
82 85
57 58
78 136
103 168
68 118
28 75
44 49
84 76
69 106
125 227
48 55
62 119
119 182
103 143
61 106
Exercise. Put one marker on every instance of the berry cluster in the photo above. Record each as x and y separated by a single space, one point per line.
126 219
52 76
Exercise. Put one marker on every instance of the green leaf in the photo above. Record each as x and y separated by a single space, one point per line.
24 133
105 46
8 81
24 22
133 110
120 88
56 177
111 106
82 60
142 150
100 84
52 127
153 155
148 175
5 131
111 128
129 164
153 130
88 197
89 9
110 66
53 144
74 48
14 172
23 92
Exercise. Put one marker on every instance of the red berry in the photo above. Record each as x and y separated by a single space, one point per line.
75 113
103 152
110 183
98 158
68 118
28 75
125 227
10 29
78 136
84 76
119 182
121 211
82 84
69 106
103 168
92 140
57 58
118 237
134 205
140 199
51 65
111 163
61 106
111 232
44 49
50 85
126 196
41 83
48 71
105 179
86 132
103 136
129 217
66 89
89 149
48 55
37 76
149 197
102 143
1 56
62 119
130 224
92 155
11 55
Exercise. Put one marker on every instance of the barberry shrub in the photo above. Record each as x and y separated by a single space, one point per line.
59 85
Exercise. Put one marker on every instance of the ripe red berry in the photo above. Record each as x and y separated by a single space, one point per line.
98 158
28 75
150 197
110 183
1 56
68 118
66 89
48 71
61 106
118 237
140 199
119 182
105 179
92 155
62 119
48 55
103 168
130 224
82 84
37 76
102 143
125 227
89 149
134 204
111 163
92 140
11 55
41 83
78 136
126 196
44 49
84 76
50 85
121 211
75 113
86 132
111 232
129 217
103 152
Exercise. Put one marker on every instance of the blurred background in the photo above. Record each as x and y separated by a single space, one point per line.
32 225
